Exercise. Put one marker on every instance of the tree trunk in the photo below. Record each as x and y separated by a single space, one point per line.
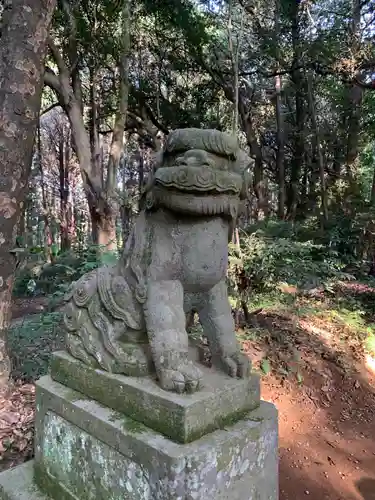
65 234
354 97
126 208
81 139
318 147
280 166
254 146
141 171
96 167
96 156
22 227
102 200
25 27
108 225
47 236
372 198
298 81
30 234
255 150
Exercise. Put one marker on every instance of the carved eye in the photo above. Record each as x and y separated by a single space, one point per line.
182 176
209 162
180 160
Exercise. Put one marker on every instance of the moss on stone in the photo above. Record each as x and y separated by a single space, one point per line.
161 415
72 395
127 424
50 486
69 373
114 416
131 425
241 451
219 424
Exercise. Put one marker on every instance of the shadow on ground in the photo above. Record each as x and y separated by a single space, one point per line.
366 487
296 484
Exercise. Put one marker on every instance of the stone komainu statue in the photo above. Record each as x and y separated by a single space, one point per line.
130 318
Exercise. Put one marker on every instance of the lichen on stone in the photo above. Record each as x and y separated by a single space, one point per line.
87 467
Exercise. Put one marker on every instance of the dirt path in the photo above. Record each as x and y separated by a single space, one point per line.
327 439
25 306
326 413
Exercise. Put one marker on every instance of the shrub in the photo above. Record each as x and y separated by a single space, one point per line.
268 258
31 342
54 278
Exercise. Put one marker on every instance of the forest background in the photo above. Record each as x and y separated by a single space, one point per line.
295 80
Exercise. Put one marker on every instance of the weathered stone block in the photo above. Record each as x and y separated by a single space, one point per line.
183 418
85 451
19 484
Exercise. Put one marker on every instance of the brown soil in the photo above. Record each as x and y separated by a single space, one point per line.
25 306
327 441
326 410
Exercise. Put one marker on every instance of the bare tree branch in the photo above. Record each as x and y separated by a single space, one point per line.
73 52
58 58
52 80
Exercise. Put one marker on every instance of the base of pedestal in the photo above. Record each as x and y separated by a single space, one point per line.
19 484
85 451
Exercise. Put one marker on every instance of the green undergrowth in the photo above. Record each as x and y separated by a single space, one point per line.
37 277
31 342
346 316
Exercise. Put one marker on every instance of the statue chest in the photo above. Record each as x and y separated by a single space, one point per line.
204 256
195 254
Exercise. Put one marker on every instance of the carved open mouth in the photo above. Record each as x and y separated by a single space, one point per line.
198 181
193 203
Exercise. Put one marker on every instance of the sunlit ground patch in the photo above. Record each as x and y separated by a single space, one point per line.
370 363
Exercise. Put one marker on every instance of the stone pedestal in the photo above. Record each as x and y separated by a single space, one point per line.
103 436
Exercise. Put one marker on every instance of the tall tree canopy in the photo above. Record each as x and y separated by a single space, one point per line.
292 79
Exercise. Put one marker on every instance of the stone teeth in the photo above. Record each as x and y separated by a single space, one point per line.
195 204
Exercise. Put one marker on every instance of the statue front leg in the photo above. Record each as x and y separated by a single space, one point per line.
218 326
166 329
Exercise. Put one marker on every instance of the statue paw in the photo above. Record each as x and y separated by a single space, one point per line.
236 365
184 377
